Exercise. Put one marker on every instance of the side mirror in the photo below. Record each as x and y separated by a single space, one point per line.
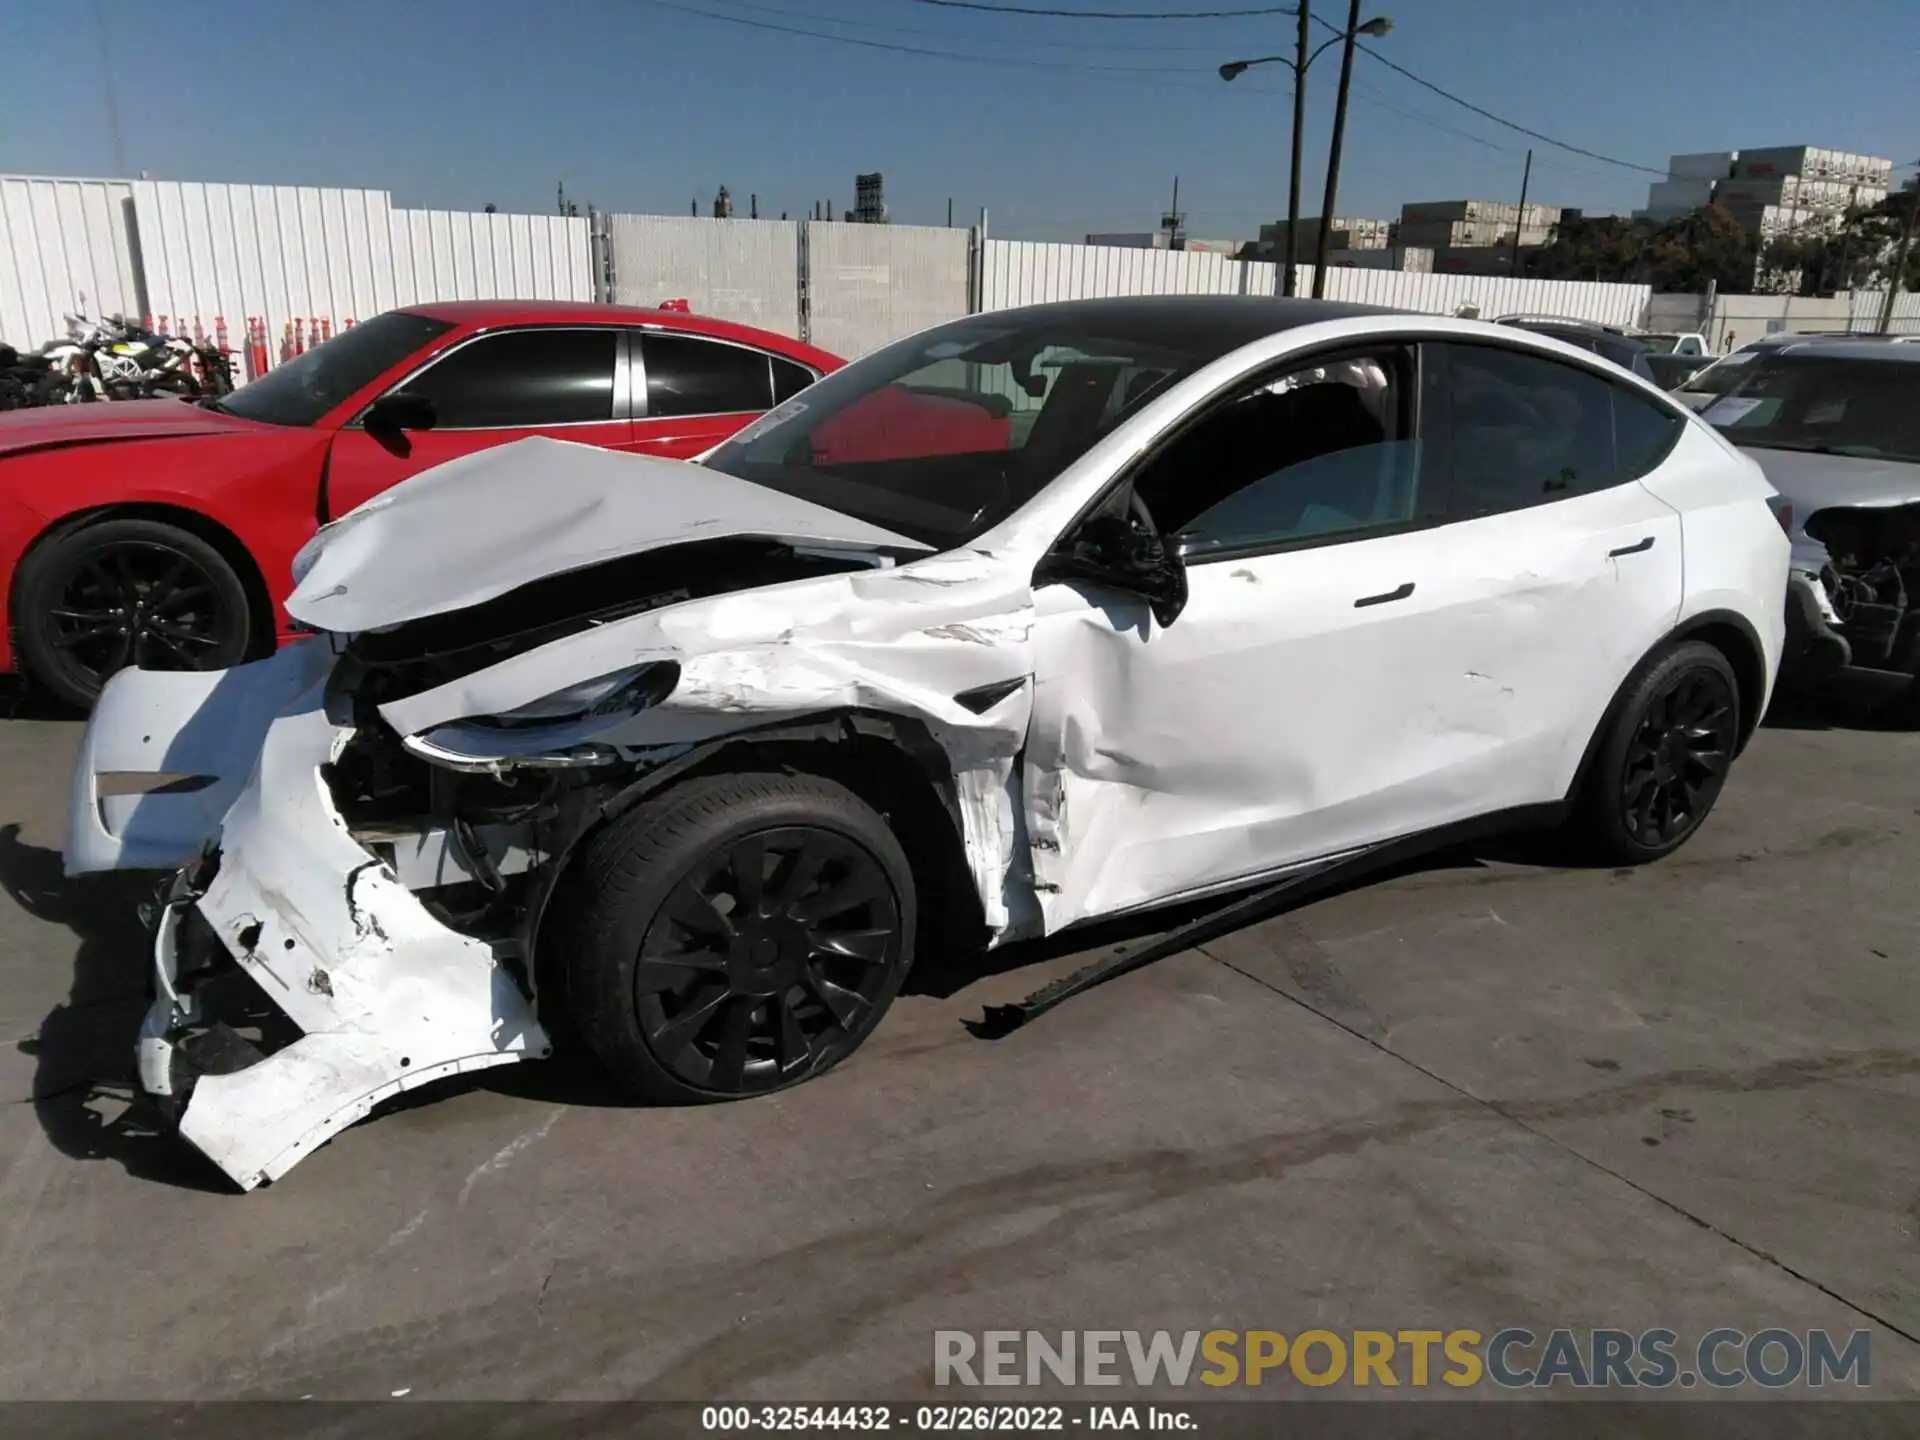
401 411
1114 550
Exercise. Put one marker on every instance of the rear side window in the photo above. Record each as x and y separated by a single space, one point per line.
522 378
789 379
1526 430
690 376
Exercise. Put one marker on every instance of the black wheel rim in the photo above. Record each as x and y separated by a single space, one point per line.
1678 756
767 960
146 604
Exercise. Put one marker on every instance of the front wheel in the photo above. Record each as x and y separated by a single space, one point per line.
126 592
1663 758
737 934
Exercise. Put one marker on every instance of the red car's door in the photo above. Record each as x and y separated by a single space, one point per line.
567 382
691 392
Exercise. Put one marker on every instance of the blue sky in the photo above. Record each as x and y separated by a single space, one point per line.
455 103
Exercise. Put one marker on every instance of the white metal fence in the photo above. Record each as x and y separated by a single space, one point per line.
869 285
742 270
65 245
1021 272
193 254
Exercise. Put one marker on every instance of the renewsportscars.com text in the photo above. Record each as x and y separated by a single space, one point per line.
1512 1358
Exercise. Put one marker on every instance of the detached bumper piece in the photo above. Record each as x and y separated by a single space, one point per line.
377 995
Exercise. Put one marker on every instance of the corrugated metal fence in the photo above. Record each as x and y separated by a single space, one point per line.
193 253
1022 272
65 246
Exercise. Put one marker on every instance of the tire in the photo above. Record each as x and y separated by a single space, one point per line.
1663 757
103 596
750 1006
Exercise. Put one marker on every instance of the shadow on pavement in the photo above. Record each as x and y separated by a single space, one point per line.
1851 702
84 1091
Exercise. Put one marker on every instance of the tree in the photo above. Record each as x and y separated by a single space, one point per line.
1858 255
1684 254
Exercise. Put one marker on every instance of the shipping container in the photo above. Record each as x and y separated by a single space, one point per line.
1679 195
1799 191
1815 163
1704 165
1135 240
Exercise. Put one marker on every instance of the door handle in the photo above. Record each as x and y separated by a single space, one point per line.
1646 544
1402 593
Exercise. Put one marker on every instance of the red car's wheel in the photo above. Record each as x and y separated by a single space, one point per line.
126 592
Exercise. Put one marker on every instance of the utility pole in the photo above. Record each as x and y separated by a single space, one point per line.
949 212
1900 253
1520 220
1299 127
1333 150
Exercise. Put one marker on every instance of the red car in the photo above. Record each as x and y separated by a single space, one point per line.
160 533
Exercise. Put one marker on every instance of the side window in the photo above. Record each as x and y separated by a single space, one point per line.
789 380
1321 452
690 376
1525 430
525 377
1643 433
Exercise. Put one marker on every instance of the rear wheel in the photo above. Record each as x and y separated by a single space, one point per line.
1664 757
738 934
126 592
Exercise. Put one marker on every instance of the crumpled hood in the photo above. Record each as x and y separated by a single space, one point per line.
46 427
1811 482
473 529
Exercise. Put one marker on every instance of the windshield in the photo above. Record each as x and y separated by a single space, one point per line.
1722 376
1865 408
1659 344
308 386
942 436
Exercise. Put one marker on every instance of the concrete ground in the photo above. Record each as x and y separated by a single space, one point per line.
1481 1094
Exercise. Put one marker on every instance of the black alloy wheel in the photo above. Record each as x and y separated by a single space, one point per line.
1663 756
734 934
1678 756
767 960
127 592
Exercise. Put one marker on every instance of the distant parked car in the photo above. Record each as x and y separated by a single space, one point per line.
1836 426
1622 349
1672 371
170 550
1673 342
1725 374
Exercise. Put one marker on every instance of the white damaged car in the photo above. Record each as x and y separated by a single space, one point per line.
1036 617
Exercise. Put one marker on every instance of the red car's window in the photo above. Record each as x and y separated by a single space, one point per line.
307 387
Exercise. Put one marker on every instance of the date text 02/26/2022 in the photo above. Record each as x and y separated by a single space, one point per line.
946 1419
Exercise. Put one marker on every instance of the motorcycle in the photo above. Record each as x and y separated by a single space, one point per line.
113 359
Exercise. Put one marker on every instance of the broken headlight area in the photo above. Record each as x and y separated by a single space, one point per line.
1871 579
467 844
556 732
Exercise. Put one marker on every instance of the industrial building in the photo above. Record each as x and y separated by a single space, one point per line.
1348 233
1773 191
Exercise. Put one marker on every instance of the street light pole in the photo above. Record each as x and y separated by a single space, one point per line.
1298 63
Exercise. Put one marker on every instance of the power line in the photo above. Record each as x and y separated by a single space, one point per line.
1113 70
1489 115
816 17
1109 14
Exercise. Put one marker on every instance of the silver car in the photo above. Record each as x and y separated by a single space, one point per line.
1836 427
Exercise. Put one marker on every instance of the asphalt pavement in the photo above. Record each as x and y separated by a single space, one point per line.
1486 1092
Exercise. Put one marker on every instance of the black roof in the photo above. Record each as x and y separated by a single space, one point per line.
1203 324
